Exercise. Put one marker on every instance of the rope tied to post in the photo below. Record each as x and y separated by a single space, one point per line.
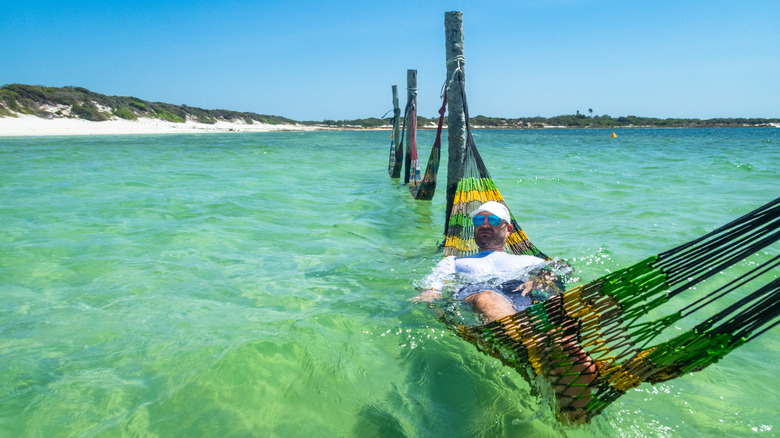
460 59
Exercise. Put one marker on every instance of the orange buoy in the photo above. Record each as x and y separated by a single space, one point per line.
613 135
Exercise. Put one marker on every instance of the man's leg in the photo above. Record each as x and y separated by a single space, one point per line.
491 304
572 383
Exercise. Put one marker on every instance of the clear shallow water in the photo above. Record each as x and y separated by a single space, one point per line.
258 284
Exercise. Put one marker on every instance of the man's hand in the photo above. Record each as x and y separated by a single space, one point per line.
426 297
525 288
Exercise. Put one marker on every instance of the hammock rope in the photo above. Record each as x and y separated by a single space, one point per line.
460 60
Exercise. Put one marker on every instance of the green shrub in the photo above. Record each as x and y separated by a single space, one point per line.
138 104
124 113
167 115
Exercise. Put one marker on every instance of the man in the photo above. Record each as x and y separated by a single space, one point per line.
492 227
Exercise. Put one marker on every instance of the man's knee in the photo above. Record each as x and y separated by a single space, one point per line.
485 296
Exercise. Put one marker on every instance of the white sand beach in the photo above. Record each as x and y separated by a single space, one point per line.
29 125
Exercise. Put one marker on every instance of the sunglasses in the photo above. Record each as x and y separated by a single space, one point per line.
492 219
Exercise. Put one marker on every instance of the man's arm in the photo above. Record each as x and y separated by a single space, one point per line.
427 296
434 281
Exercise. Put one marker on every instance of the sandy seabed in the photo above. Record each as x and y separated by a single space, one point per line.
29 125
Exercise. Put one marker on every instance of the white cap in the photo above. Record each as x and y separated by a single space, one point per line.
495 208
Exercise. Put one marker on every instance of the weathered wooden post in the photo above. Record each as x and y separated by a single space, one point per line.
411 99
397 152
456 121
396 126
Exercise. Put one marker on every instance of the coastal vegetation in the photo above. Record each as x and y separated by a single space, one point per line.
567 121
605 121
78 102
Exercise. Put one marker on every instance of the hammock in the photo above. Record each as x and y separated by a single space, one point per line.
476 187
595 342
424 188
397 158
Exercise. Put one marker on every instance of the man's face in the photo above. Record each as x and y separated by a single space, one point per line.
489 237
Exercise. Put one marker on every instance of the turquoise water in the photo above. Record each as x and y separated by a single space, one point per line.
258 284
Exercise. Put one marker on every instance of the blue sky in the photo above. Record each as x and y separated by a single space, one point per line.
316 60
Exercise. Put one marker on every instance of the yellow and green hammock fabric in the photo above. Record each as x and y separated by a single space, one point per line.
594 342
475 188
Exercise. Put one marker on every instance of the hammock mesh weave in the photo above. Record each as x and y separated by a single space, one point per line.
595 342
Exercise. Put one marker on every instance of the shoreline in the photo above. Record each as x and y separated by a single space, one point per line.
25 125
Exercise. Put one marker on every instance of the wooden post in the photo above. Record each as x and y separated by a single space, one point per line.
397 160
396 121
456 121
411 98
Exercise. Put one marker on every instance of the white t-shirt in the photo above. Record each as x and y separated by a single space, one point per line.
483 264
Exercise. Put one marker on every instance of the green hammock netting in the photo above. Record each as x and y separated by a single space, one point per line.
423 188
594 342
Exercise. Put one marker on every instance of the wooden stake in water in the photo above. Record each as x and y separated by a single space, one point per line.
396 161
396 125
456 121
411 98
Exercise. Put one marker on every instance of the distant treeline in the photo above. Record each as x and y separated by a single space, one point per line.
565 121
77 102
582 121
